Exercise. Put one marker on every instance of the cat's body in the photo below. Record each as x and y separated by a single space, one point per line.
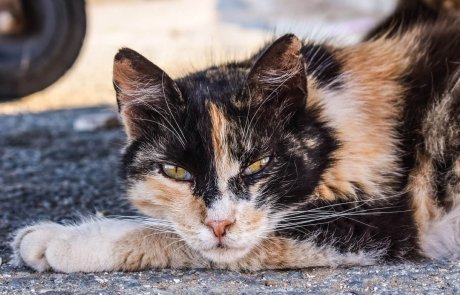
304 155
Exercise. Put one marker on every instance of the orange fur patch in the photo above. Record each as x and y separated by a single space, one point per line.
282 253
365 115
225 165
422 195
218 124
157 197
150 248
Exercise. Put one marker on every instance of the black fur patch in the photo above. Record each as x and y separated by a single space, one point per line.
323 65
358 226
301 169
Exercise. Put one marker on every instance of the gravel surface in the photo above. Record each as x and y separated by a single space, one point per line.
49 171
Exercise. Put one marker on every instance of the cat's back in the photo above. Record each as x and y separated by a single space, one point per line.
412 82
394 101
431 122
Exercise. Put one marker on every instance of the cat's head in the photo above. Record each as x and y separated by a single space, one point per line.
223 152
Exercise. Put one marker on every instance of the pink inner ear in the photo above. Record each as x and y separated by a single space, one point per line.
142 89
124 75
127 83
135 75
132 72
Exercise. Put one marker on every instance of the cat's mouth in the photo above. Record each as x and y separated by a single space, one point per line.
221 246
222 253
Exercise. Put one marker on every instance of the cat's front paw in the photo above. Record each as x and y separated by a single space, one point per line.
32 245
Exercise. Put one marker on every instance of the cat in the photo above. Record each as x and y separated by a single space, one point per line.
304 155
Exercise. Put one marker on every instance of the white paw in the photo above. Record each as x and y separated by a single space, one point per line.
90 246
442 239
31 245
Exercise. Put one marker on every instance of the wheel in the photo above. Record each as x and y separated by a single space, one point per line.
51 35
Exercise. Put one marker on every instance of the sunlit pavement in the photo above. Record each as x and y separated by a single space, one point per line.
183 35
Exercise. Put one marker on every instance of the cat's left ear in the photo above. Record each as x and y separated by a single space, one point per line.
144 92
278 76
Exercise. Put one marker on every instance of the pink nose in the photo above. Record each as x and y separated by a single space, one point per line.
219 227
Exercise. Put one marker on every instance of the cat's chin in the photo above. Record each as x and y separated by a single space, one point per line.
225 255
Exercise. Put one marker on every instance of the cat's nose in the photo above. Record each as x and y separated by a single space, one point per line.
219 227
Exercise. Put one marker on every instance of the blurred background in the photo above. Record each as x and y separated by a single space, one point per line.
178 35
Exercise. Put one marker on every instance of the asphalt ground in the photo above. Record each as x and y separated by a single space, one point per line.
49 171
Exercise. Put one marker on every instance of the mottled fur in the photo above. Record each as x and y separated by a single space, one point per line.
364 149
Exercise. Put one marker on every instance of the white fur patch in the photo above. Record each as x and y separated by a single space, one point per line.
442 238
222 209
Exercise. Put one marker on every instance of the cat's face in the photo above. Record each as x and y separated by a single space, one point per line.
220 154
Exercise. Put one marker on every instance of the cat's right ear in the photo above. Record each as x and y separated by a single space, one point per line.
277 80
142 89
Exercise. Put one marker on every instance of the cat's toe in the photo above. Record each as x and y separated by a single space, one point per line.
31 243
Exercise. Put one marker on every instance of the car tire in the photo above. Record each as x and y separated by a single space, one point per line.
36 58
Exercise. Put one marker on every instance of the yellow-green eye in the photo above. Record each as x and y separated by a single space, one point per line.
257 166
176 172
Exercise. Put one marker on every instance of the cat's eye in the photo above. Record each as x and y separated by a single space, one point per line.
256 167
176 172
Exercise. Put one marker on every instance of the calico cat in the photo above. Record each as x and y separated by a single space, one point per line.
304 155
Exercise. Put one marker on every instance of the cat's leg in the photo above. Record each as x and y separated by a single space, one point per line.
440 235
442 239
284 253
100 245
